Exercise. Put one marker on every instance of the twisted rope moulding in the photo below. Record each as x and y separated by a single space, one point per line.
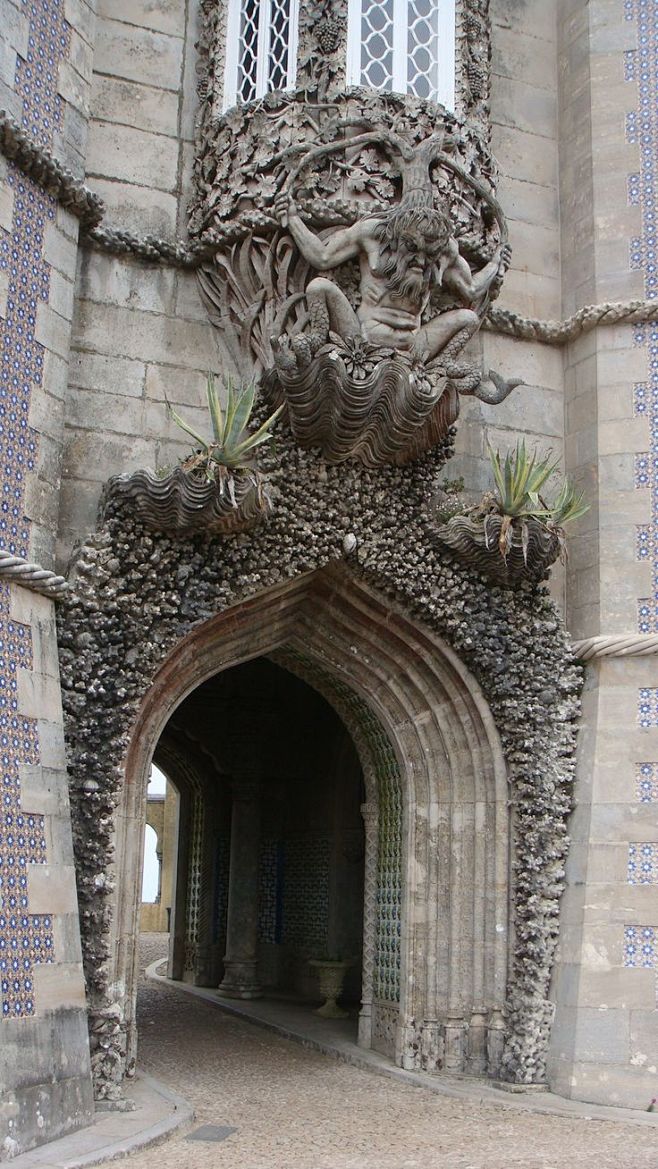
32 576
42 168
621 645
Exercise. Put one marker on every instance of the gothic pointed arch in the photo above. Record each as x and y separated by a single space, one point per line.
470 689
436 794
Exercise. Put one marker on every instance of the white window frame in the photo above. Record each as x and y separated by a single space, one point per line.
446 59
233 47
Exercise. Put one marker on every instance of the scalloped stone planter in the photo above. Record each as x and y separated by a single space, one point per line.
466 537
180 504
382 411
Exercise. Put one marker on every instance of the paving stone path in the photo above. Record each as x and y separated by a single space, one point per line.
298 1109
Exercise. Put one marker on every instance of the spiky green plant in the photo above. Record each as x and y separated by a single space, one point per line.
568 505
520 479
231 448
519 482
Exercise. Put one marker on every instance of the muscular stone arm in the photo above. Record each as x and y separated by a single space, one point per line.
471 287
344 244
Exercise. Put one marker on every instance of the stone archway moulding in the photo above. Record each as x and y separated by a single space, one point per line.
342 638
355 550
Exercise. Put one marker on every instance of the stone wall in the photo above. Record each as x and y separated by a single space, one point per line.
524 139
140 332
604 1039
44 1052
44 1056
46 236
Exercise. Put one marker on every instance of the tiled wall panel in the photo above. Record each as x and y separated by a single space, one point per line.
43 1042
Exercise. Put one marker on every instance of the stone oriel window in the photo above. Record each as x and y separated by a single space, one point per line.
261 48
407 46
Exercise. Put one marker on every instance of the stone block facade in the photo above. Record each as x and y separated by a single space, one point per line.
606 178
44 1056
94 345
139 333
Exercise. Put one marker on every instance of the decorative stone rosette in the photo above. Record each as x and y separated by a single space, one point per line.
353 400
533 549
182 504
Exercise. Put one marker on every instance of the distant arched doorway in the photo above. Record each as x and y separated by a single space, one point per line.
271 795
436 867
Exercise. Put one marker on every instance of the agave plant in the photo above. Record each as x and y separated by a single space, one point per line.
230 449
568 505
519 481
514 534
218 489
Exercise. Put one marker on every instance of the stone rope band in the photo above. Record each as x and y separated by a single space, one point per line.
19 571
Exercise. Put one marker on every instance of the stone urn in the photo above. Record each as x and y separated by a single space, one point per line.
331 977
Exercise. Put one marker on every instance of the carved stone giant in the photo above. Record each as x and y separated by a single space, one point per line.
359 249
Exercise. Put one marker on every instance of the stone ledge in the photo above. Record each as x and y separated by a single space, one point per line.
158 1113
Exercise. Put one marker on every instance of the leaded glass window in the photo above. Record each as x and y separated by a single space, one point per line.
407 46
261 48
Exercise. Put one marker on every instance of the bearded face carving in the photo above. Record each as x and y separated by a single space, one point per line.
412 241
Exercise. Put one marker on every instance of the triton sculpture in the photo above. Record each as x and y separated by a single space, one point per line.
358 245
375 374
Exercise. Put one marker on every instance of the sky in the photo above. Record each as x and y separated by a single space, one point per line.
156 787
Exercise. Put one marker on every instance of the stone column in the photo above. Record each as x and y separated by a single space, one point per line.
455 1041
241 958
178 924
203 973
477 1042
495 1043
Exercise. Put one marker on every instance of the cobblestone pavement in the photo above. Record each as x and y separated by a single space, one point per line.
298 1109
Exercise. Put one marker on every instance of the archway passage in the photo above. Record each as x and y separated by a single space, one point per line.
436 865
270 842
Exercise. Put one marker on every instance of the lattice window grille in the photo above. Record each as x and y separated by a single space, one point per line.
389 872
194 880
406 46
261 48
